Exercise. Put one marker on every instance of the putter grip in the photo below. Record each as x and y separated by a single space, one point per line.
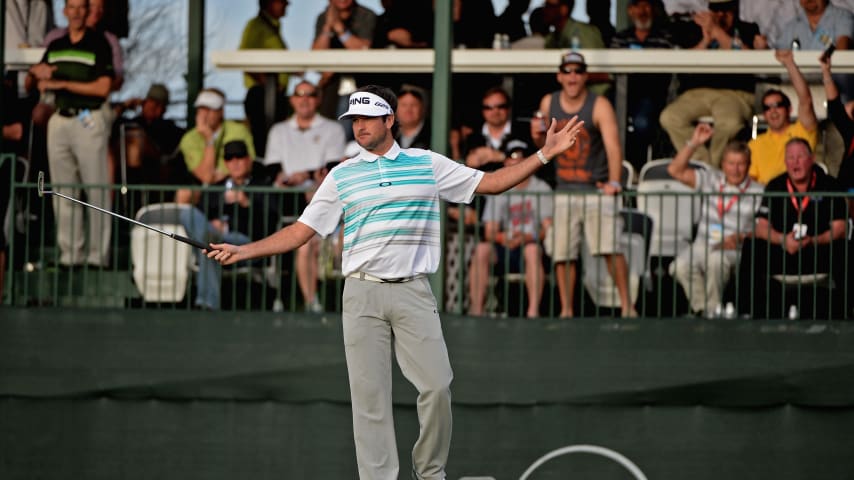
190 241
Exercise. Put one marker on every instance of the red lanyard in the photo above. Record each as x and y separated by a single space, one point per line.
804 201
722 210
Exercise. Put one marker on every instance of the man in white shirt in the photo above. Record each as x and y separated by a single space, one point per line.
389 200
303 144
704 268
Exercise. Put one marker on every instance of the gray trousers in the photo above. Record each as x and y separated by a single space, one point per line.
703 273
377 315
77 153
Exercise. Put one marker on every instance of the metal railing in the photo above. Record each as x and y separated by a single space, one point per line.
150 271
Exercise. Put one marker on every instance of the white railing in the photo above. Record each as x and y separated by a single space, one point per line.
523 61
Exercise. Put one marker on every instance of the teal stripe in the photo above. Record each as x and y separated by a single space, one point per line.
377 177
362 207
397 183
392 216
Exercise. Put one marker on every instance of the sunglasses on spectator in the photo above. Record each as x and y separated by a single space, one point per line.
500 106
579 69
769 106
304 93
229 158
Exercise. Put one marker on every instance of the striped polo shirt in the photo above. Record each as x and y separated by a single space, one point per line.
84 61
390 208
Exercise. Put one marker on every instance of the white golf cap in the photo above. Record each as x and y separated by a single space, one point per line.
209 99
366 105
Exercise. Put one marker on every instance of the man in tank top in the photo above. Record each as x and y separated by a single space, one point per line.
589 176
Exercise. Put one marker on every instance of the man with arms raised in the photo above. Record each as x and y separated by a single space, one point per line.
704 268
768 148
389 200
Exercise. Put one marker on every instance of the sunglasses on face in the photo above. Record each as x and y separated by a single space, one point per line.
500 106
769 106
305 94
229 158
578 69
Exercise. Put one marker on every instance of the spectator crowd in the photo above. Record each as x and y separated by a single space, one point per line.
58 115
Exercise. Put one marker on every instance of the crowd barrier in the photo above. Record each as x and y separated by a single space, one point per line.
148 270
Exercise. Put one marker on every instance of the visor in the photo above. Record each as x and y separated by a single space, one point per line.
209 99
366 105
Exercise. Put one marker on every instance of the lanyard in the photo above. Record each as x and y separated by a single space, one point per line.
722 210
804 201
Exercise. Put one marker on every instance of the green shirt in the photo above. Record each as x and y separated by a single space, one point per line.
588 36
85 61
262 32
193 144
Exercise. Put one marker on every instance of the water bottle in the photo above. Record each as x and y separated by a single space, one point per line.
575 40
541 121
229 186
505 41
496 42
736 40
793 312
729 311
48 97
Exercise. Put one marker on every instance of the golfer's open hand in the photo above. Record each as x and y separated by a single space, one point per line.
224 253
558 141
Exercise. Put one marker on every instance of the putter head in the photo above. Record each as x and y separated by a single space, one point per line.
41 184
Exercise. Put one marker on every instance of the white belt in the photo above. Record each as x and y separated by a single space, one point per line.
371 278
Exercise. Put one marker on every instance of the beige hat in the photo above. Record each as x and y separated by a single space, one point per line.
210 99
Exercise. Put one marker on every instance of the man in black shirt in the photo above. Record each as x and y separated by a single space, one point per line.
77 71
800 235
234 216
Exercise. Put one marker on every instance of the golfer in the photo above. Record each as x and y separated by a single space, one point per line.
389 199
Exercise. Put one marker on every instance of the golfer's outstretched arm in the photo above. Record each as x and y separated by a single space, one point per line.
556 142
285 240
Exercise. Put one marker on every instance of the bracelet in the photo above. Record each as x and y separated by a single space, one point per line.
542 157
615 184
690 144
344 36
210 143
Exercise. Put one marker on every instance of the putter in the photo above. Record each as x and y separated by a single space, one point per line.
189 241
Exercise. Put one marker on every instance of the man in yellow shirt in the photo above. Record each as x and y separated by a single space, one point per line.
264 32
768 149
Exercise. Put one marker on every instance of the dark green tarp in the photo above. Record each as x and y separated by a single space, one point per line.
184 394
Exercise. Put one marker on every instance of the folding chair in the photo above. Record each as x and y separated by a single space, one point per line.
161 266
634 244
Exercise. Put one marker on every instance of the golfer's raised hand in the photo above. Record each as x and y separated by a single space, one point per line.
224 253
557 141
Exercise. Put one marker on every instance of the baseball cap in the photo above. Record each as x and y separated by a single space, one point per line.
210 99
516 145
235 149
366 104
572 57
719 5
159 93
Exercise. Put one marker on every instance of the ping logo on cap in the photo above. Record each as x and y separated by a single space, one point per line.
367 104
